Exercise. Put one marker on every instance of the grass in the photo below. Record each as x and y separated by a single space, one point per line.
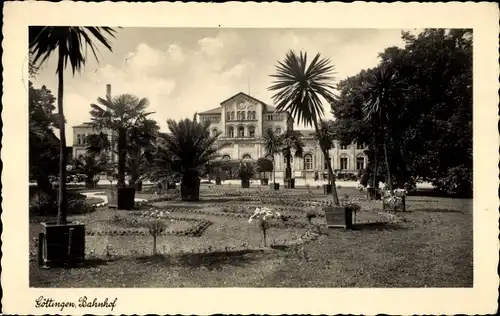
428 246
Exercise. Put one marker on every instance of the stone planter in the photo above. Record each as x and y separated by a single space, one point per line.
327 188
63 244
275 186
264 181
245 184
338 217
121 198
138 186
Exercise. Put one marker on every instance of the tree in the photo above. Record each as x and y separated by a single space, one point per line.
272 145
382 90
431 135
185 151
90 164
325 138
265 165
291 145
43 144
141 140
121 114
299 88
69 43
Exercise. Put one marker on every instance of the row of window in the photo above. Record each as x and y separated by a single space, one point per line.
241 115
308 161
240 131
81 139
275 117
358 146
211 118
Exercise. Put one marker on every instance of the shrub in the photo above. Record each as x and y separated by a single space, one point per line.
48 206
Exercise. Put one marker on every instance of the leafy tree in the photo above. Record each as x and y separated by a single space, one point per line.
120 114
299 89
264 165
185 151
431 133
69 43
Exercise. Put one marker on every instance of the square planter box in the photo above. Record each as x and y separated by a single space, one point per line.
264 181
338 217
245 184
275 186
57 248
290 184
327 188
121 198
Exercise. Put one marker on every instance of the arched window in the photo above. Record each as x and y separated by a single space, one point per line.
360 163
214 132
308 162
226 157
246 157
241 131
278 130
230 131
238 115
254 115
243 115
232 115
79 139
251 131
343 162
228 114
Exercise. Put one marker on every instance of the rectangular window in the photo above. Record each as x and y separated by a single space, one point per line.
343 163
360 163
361 146
343 146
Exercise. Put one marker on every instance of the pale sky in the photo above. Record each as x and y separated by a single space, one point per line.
186 70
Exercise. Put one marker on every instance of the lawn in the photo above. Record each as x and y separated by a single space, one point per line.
211 244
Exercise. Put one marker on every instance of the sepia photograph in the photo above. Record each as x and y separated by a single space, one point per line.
171 157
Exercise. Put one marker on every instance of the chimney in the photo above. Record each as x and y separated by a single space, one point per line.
108 90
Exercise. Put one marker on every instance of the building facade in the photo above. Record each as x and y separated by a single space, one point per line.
242 120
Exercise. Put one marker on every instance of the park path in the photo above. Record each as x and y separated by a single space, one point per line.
102 195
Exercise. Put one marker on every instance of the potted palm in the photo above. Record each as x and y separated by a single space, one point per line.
246 172
264 165
121 114
63 241
91 165
272 145
185 151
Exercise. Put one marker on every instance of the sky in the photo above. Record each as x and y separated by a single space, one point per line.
186 70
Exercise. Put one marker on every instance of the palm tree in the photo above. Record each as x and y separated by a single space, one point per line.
291 145
381 90
141 140
186 151
90 164
299 87
325 138
120 114
272 145
69 43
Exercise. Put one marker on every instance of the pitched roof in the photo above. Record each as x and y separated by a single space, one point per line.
217 110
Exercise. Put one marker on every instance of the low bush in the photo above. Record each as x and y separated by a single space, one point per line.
47 206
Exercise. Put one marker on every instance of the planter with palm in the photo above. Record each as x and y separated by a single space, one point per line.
291 146
185 151
120 114
272 145
325 138
246 172
299 88
69 44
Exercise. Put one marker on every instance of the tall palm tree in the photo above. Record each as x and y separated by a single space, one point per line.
381 91
292 145
325 138
69 43
272 145
299 88
120 114
141 140
185 151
